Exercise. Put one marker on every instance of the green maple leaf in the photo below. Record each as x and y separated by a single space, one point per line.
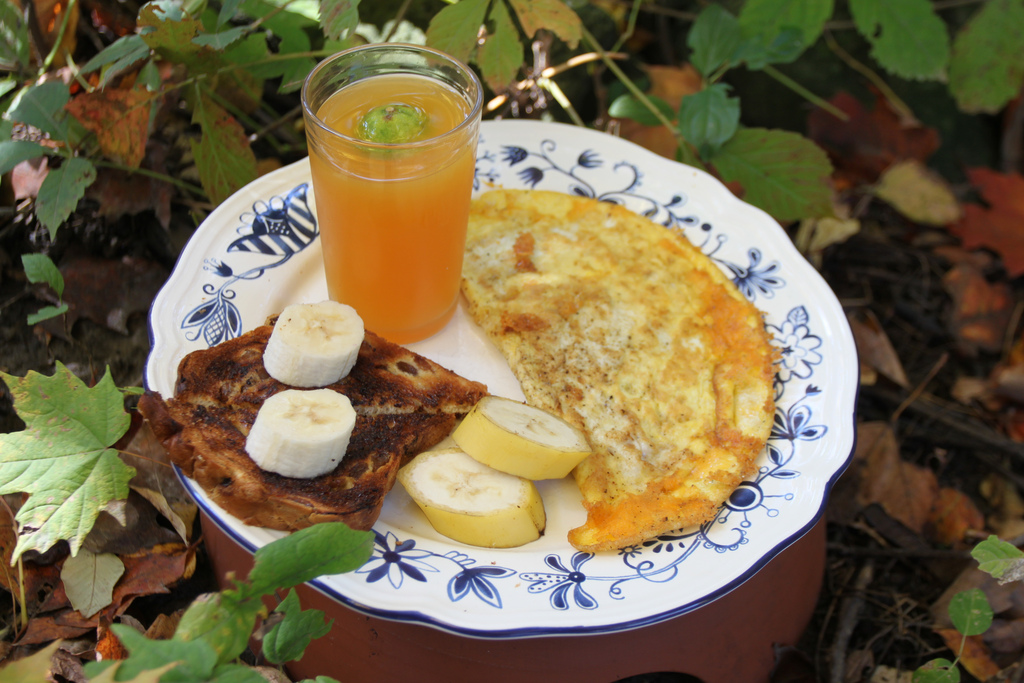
62 459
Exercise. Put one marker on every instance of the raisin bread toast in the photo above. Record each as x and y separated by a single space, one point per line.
404 403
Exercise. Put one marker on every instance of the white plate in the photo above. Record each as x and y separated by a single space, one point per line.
259 252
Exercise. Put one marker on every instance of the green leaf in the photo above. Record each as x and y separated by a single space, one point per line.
985 69
291 23
782 173
222 39
288 639
15 42
327 548
339 18
714 39
228 8
223 156
707 119
236 673
760 51
89 580
937 671
998 557
630 107
45 313
907 37
769 17
553 15
454 29
971 612
195 660
42 106
118 57
62 459
223 621
60 191
40 268
501 54
13 152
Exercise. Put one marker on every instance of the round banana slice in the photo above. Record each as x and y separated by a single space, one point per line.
472 503
314 345
520 439
301 433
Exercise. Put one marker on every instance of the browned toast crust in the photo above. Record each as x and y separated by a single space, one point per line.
404 404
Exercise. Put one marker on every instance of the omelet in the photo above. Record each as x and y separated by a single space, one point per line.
626 330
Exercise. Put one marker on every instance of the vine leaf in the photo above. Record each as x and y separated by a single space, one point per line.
63 458
907 38
501 54
223 156
985 69
782 173
553 15
60 191
454 29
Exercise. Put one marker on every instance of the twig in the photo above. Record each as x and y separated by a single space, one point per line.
849 615
980 434
888 93
919 389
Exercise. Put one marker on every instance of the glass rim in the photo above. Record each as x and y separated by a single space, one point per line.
468 120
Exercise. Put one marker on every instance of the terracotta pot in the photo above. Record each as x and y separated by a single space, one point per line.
730 640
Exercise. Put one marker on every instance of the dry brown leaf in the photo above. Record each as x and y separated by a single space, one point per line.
919 193
904 490
981 309
976 657
875 349
871 140
952 516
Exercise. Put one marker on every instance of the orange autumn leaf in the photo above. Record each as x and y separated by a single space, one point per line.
975 658
999 225
981 311
952 516
119 119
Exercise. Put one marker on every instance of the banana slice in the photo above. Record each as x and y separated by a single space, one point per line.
520 439
314 345
472 503
301 433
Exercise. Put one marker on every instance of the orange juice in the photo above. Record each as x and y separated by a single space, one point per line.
393 217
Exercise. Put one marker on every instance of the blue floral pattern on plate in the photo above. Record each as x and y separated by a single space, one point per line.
415 576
